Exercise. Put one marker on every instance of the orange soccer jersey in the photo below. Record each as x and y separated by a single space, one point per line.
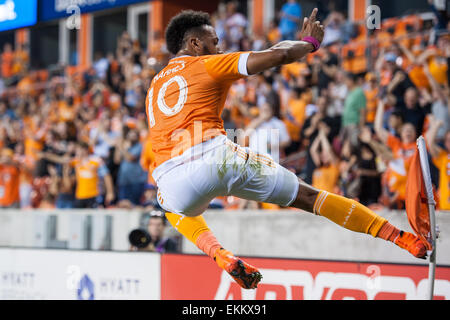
87 177
371 104
398 168
9 185
400 149
326 178
185 101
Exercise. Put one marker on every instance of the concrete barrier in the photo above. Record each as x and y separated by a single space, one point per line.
68 229
262 233
297 234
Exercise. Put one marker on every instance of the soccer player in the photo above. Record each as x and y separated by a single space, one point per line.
196 162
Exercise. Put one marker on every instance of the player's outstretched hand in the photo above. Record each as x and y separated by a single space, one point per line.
312 28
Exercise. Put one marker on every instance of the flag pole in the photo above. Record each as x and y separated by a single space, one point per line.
423 156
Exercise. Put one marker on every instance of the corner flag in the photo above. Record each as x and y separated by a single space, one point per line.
420 205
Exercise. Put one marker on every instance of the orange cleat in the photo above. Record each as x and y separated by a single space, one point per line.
244 274
412 243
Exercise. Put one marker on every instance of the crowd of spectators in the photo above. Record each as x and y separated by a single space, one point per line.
346 117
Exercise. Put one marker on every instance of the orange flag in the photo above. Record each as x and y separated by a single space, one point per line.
416 202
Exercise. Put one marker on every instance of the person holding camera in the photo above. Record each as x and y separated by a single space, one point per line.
152 238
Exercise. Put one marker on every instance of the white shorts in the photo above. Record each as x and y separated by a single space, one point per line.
219 167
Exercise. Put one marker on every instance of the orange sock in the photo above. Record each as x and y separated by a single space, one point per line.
348 213
208 243
195 230
388 232
190 227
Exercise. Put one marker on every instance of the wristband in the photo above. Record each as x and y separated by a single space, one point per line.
313 41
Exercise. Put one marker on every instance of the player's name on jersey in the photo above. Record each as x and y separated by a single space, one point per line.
180 66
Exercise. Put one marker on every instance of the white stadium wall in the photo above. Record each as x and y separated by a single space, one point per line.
31 274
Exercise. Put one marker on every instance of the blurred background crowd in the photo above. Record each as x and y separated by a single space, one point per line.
346 117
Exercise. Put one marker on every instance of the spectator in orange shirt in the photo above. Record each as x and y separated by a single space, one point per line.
412 60
371 93
7 61
295 115
21 60
326 174
88 171
9 180
403 149
435 58
273 33
66 109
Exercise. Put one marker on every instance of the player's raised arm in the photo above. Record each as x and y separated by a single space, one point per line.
286 52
